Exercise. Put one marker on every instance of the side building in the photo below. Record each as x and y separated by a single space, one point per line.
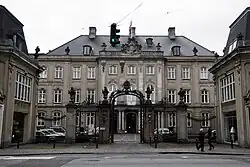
18 83
231 75
166 63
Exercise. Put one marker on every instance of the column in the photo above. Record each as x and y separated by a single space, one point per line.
1 122
181 123
139 120
159 119
158 86
70 123
102 81
123 120
140 77
119 121
162 119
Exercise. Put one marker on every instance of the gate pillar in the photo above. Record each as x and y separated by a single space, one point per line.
181 120
149 124
71 123
104 122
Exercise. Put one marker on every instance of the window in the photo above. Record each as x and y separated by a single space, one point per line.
90 119
57 96
204 73
78 96
42 96
150 70
152 96
176 50
87 50
185 74
232 46
91 72
91 95
131 100
171 72
131 70
112 88
40 119
172 96
228 88
56 118
204 96
187 97
113 69
44 74
58 72
189 120
76 72
171 120
205 119
23 87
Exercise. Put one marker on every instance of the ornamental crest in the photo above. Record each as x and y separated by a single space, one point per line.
132 46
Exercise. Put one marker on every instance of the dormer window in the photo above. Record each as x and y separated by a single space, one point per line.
232 46
176 50
149 42
87 50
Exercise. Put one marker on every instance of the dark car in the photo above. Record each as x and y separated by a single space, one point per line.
41 137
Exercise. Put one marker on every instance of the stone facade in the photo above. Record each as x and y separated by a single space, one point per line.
169 63
231 76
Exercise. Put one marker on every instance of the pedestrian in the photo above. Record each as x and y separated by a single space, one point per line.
200 141
209 137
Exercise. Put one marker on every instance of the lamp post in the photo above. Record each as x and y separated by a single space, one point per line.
149 123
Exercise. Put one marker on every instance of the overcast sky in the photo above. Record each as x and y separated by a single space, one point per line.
51 23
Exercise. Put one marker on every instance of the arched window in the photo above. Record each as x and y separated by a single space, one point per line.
152 97
40 119
204 96
176 50
58 72
58 96
57 118
41 96
131 100
111 88
44 74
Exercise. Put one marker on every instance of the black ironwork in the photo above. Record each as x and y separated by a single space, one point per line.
72 94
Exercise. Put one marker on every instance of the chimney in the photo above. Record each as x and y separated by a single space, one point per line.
131 32
171 33
92 32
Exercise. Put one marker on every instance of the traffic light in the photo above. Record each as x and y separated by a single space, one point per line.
114 36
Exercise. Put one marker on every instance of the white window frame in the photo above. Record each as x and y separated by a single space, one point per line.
57 96
90 119
131 100
76 72
204 96
187 97
41 122
185 73
87 50
57 114
58 72
113 69
172 119
42 96
232 46
172 94
150 69
23 87
227 86
205 119
78 96
91 94
91 72
203 73
171 73
189 120
131 70
44 73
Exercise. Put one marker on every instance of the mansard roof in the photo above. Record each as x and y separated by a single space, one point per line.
187 45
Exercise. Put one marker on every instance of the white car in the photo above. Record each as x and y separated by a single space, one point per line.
162 131
51 132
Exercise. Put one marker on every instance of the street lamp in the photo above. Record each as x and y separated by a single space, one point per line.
149 121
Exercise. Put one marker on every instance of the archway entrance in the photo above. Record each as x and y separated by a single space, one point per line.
131 122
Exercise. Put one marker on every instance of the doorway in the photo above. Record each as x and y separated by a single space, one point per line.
115 122
131 123
18 127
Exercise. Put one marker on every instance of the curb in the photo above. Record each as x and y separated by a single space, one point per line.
100 153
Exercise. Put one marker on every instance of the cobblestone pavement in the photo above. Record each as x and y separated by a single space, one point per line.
123 138
125 148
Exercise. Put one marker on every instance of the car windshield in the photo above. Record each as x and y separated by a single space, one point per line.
51 131
46 133
58 130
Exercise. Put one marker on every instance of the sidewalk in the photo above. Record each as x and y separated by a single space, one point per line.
120 148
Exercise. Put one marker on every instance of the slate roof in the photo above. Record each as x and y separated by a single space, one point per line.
240 25
187 45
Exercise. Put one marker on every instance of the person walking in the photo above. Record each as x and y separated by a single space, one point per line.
209 137
200 139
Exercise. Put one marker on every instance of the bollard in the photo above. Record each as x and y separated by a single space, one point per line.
96 146
18 144
54 145
150 141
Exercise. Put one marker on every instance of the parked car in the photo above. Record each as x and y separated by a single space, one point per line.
58 129
162 131
42 137
58 136
54 132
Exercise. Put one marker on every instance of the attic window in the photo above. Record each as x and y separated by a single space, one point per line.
149 42
87 50
176 50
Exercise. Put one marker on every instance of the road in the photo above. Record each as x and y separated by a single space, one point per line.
123 160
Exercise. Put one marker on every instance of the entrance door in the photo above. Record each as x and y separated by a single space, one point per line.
18 125
115 122
131 123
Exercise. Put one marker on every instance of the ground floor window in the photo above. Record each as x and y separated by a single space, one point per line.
230 122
